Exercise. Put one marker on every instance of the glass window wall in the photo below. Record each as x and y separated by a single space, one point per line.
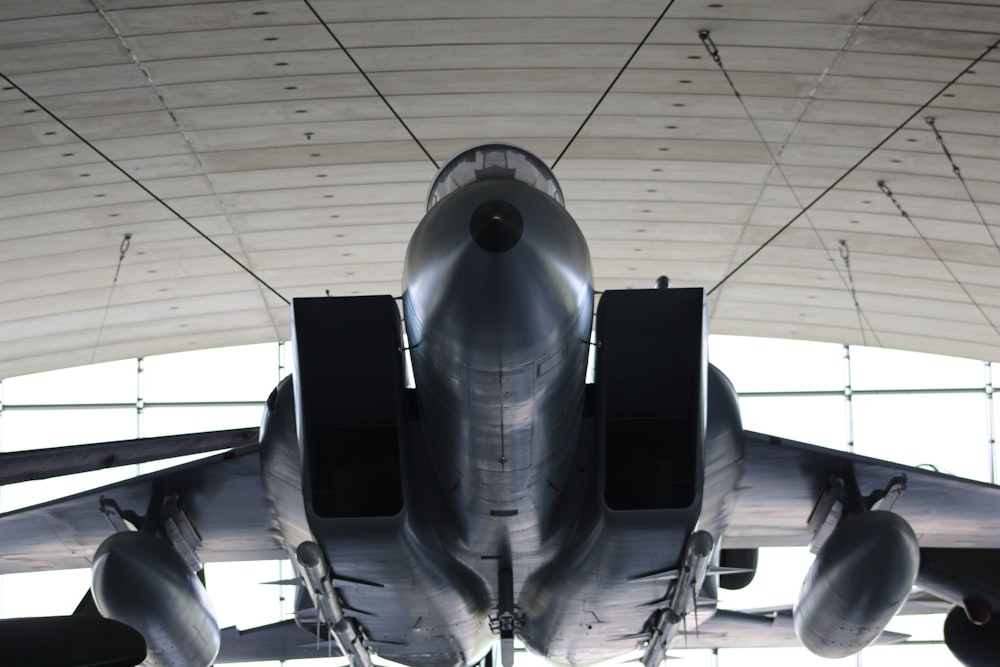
901 406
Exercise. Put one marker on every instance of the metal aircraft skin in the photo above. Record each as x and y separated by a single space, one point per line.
502 495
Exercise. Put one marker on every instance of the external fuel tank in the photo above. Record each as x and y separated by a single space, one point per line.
862 575
140 580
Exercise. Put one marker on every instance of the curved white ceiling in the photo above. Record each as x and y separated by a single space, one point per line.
250 120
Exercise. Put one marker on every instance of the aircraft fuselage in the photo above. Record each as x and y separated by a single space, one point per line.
499 341
504 526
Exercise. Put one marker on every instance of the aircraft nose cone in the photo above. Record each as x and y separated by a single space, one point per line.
496 226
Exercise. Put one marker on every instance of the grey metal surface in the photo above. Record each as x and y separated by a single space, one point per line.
861 577
783 479
132 568
250 120
279 641
223 495
735 629
32 464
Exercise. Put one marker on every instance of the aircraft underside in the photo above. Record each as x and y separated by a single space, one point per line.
565 554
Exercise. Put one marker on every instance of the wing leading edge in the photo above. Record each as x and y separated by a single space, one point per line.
34 464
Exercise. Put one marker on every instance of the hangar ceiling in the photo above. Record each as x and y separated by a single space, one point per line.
248 119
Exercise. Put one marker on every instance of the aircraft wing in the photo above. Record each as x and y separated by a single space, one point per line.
278 641
764 629
918 603
222 495
773 628
32 464
782 481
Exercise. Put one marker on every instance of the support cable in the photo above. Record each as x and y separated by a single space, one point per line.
930 120
848 399
991 438
845 254
611 85
142 187
884 187
370 82
122 250
858 163
713 51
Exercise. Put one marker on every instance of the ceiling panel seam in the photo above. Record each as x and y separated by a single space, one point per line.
261 286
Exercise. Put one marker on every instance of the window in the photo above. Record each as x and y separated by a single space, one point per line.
901 406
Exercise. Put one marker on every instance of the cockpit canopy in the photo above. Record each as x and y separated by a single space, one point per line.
493 161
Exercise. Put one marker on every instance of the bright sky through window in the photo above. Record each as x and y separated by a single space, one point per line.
789 388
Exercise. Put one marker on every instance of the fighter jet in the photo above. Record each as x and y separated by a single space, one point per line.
496 492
